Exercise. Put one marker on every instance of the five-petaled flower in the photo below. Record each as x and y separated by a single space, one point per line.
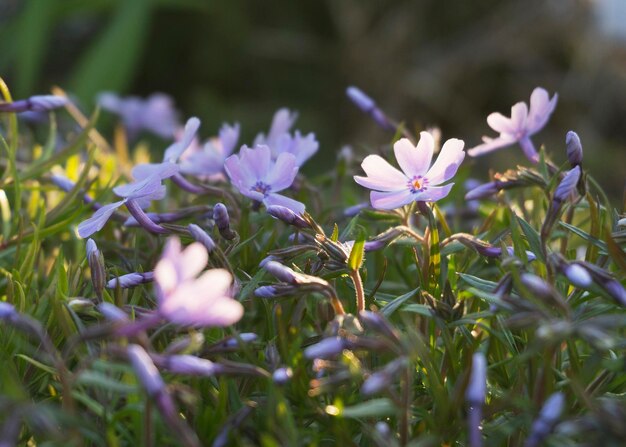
416 182
188 300
524 123
279 140
207 161
258 177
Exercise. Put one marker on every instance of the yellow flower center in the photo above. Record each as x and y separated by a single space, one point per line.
416 184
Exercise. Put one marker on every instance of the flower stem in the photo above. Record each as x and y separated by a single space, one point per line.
142 218
358 288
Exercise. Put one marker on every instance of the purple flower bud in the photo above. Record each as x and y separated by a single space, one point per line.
131 280
616 290
354 210
143 219
189 365
574 148
246 337
201 236
577 275
6 310
62 182
483 191
96 265
282 376
568 185
265 292
146 371
329 347
378 323
112 313
549 415
281 272
376 383
288 216
536 285
41 103
477 386
375 245
360 99
383 429
222 221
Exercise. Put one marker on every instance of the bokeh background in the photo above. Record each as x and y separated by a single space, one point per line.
426 62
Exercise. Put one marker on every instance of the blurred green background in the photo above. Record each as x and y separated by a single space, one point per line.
427 62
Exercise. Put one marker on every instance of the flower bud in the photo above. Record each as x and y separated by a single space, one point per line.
377 322
483 191
354 210
266 292
360 99
222 221
146 371
131 280
537 286
188 365
96 265
328 347
201 236
288 216
281 272
577 275
549 415
112 312
477 386
7 310
574 148
568 185
282 375
80 304
40 103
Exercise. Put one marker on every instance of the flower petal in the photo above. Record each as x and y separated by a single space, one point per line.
222 312
175 150
391 200
519 116
433 193
381 175
489 145
281 123
500 123
238 173
280 200
447 163
229 135
415 160
541 107
192 261
283 172
95 223
257 161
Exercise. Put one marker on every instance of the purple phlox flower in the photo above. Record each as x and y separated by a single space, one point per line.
155 114
574 148
418 181
279 140
287 216
139 192
207 161
523 123
258 177
172 154
40 103
567 186
146 371
190 301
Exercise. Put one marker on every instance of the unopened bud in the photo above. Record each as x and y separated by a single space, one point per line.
130 280
281 272
477 386
482 191
188 365
568 185
288 216
537 286
222 221
146 371
96 266
40 103
549 415
201 236
354 210
112 312
7 310
80 304
577 275
574 148
329 347
282 376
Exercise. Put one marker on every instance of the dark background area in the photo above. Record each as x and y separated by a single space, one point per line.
427 62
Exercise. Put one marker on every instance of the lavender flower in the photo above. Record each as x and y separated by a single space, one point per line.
416 182
568 185
208 161
327 348
201 236
155 114
146 371
190 301
187 364
548 416
41 103
135 195
280 141
258 177
574 148
282 375
524 123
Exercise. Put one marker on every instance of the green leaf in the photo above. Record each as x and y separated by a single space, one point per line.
393 305
96 379
371 408
357 253
110 62
533 238
586 236
335 236
38 364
